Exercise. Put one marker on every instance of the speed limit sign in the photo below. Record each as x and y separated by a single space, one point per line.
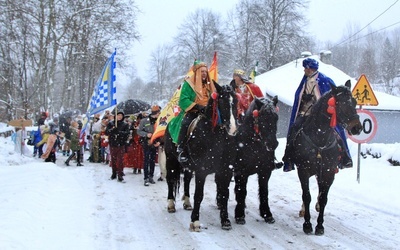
369 124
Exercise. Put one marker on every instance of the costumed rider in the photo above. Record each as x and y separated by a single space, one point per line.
313 85
246 89
195 92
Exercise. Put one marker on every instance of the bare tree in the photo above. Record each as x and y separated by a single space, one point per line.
55 50
268 31
161 68
241 33
199 36
280 26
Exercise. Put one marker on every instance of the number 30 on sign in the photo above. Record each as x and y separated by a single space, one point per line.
370 126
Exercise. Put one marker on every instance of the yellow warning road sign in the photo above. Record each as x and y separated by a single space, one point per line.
363 92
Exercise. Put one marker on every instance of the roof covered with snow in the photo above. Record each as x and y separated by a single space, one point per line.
283 81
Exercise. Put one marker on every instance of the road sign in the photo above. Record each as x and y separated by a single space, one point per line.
369 124
363 92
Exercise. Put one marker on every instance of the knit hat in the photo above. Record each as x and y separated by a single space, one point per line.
155 109
241 74
310 63
121 112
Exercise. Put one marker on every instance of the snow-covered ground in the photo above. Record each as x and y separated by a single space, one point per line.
47 206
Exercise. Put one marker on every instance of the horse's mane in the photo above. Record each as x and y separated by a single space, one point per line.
318 106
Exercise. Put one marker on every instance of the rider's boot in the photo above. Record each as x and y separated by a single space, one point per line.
345 159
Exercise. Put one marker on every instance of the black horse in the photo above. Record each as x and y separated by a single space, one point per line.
317 150
256 144
209 151
174 180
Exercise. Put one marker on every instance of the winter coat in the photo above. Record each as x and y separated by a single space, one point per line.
45 137
117 135
146 126
64 128
37 136
75 146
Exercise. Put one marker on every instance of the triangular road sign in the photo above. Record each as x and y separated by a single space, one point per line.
363 92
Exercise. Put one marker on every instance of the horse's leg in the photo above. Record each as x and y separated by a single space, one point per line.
323 185
187 177
240 196
200 178
306 196
265 211
223 180
172 183
301 212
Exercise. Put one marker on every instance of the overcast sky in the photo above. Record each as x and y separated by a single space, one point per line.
329 20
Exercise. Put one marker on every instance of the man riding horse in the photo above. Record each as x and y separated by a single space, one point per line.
246 90
195 92
313 85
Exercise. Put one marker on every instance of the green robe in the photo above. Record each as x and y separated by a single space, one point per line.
186 103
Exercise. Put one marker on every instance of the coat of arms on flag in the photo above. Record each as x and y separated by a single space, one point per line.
167 113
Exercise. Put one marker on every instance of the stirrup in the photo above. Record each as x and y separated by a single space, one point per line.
181 157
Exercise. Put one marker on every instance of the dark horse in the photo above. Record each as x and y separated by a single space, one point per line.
317 151
209 151
256 142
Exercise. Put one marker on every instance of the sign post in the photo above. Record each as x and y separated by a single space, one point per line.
364 95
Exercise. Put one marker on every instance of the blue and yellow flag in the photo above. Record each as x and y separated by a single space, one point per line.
104 92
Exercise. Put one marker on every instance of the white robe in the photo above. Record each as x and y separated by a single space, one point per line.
20 145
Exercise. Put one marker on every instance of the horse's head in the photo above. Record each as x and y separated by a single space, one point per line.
263 117
225 107
343 104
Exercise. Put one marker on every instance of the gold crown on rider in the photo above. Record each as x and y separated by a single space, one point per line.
239 72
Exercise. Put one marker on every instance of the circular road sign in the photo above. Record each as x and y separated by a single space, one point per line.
369 124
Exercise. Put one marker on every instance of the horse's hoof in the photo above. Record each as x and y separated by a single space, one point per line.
186 203
319 230
240 220
269 220
226 225
187 206
171 206
195 226
307 228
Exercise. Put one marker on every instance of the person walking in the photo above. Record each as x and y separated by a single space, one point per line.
75 144
312 86
145 131
117 132
65 124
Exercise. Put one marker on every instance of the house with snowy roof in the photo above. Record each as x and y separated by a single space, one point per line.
283 82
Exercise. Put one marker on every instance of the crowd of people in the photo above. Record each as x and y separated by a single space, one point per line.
119 141
123 141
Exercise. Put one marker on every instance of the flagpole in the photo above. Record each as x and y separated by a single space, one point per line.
115 117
